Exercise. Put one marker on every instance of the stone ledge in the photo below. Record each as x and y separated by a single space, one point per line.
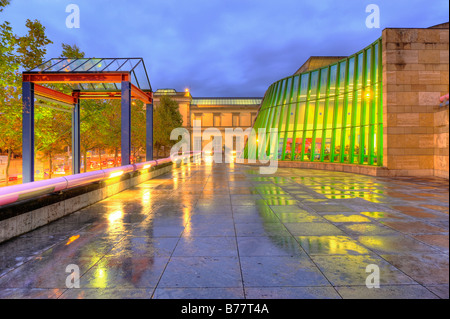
357 169
24 216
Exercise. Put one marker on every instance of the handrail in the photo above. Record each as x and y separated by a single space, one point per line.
14 193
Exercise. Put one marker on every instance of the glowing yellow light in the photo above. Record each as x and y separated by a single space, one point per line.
146 166
116 174
72 239
115 216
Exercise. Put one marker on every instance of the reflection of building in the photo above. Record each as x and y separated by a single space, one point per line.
377 109
220 113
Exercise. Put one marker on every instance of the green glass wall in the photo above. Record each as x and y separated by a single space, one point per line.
332 114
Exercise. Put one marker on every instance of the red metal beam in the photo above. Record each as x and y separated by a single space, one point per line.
110 77
52 94
136 92
100 95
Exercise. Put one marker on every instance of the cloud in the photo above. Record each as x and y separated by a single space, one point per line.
220 47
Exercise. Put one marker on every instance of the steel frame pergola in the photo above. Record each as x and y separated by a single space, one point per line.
90 78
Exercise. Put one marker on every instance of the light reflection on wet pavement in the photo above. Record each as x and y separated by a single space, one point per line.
221 231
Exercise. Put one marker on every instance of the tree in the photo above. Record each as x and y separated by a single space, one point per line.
167 117
71 51
3 3
138 129
15 52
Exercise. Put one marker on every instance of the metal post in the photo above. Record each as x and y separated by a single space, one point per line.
28 132
76 153
149 135
126 123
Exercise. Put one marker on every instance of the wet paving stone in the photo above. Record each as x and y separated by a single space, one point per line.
225 231
106 293
281 271
331 245
269 246
198 293
350 270
425 268
386 292
191 272
292 293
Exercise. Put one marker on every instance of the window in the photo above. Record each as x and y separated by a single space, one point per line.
236 121
217 121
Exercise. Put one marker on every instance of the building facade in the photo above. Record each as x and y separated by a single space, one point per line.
375 112
219 113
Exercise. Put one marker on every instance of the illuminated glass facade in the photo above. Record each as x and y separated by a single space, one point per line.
331 114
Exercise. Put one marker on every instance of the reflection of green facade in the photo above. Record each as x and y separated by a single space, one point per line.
331 114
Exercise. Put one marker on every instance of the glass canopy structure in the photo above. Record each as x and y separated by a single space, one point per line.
86 78
331 114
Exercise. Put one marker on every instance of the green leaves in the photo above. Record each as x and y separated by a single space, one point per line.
166 118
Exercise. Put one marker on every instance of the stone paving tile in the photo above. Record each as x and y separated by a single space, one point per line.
281 271
425 268
106 293
31 293
197 272
292 293
386 292
331 245
198 293
350 270
206 247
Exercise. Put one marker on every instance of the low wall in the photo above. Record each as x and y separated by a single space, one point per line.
26 215
441 142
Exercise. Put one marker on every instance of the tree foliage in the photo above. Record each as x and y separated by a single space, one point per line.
167 117
16 52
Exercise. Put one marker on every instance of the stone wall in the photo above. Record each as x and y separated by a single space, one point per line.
441 142
415 75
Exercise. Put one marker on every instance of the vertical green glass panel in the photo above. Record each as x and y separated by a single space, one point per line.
357 108
275 94
276 117
314 85
280 144
367 97
289 146
308 142
320 115
342 76
330 115
298 145
292 117
376 53
340 111
347 112
283 118
301 115
360 67
304 86
311 113
365 150
333 79
281 93
347 142
326 141
323 82
357 133
368 75
294 95
337 146
351 73
287 93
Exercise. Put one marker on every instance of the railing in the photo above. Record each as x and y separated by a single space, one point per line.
12 194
